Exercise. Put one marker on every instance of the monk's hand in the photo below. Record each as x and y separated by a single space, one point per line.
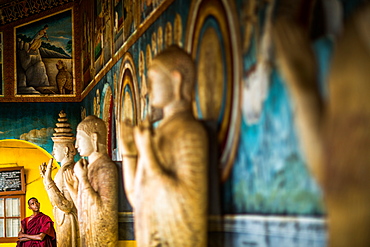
80 170
126 142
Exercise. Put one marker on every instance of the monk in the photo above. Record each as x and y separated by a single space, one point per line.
94 186
38 229
165 169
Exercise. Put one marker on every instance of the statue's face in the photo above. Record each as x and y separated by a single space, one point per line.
84 144
160 87
58 151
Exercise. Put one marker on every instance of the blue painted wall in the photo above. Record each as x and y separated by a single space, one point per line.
35 122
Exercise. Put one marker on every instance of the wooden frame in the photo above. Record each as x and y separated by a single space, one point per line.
45 68
12 185
211 28
1 65
22 210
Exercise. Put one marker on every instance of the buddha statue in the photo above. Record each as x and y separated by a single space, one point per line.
94 185
64 209
165 169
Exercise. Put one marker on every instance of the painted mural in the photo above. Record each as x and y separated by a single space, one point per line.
34 122
269 196
1 65
102 34
44 58
264 177
270 174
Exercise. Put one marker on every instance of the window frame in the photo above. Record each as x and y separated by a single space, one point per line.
18 192
22 210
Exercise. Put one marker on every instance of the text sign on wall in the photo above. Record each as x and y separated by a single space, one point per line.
12 180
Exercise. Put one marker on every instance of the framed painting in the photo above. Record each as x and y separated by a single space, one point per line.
1 66
103 23
45 57
127 99
213 42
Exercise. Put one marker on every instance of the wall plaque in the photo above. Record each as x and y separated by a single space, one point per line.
12 180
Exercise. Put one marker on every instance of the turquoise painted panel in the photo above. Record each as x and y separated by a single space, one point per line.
35 122
269 174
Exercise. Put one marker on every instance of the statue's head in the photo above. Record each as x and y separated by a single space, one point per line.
92 124
63 139
171 63
63 148
91 132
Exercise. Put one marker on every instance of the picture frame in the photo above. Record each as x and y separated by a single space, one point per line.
44 61
1 66
12 180
210 30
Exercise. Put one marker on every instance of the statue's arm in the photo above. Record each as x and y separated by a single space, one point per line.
71 183
86 188
107 189
128 151
129 163
103 195
190 149
57 198
192 158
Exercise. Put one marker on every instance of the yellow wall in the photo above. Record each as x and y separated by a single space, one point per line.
23 153
127 244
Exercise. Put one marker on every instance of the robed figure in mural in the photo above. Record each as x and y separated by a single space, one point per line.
64 209
94 186
165 169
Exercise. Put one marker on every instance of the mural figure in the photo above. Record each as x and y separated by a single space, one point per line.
177 30
63 78
97 103
160 39
165 170
144 88
64 210
168 38
36 41
339 161
94 187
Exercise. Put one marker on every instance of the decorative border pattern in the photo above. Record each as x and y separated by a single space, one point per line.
17 10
